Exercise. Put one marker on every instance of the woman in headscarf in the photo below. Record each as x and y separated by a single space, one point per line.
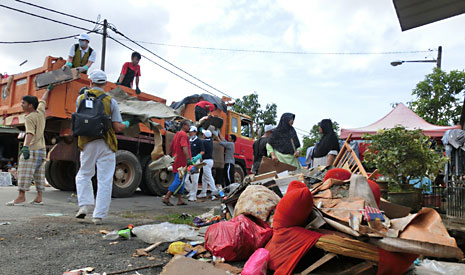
327 149
283 144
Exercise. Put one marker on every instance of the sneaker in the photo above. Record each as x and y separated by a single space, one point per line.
214 198
97 221
201 196
81 214
192 199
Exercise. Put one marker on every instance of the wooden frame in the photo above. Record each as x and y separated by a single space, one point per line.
348 159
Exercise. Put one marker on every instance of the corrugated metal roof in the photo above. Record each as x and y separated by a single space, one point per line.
416 13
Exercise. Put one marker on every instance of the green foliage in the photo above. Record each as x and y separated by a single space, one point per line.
250 106
314 136
438 99
402 155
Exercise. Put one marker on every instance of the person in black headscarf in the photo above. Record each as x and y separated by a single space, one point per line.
283 144
327 149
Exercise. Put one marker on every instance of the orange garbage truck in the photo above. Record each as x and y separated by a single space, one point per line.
134 153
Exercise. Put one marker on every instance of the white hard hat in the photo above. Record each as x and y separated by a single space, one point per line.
98 77
207 133
268 128
84 36
193 129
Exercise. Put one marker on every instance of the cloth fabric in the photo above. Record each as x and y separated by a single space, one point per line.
218 102
92 56
210 107
284 158
196 146
290 241
323 160
309 156
257 201
180 140
228 173
208 146
35 125
394 263
177 186
229 148
130 72
282 135
338 173
32 170
192 184
111 109
207 178
328 141
96 153
259 151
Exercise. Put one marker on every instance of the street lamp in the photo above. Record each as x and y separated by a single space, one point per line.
437 61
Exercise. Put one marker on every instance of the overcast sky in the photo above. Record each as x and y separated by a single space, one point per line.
354 90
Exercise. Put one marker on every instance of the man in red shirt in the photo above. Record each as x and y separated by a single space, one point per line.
181 151
203 108
129 71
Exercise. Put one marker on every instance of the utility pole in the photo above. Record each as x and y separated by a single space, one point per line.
438 60
104 44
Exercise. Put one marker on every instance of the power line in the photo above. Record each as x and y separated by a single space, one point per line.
40 40
281 52
113 28
161 66
59 12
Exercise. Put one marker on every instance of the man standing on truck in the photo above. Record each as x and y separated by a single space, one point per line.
202 109
98 152
129 71
197 150
229 162
259 148
33 154
81 56
207 177
181 151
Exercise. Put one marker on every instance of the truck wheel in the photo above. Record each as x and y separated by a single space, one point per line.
158 181
63 174
143 184
239 174
128 174
48 174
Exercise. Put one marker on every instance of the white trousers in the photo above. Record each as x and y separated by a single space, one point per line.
96 153
192 184
207 178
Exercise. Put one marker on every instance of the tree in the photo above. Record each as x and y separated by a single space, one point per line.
250 106
403 155
315 136
438 99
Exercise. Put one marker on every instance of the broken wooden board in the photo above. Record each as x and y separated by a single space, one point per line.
56 77
182 265
326 258
348 247
358 269
268 165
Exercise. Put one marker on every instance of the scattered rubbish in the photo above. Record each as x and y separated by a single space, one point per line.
2 239
257 264
257 201
105 232
125 233
229 268
113 243
165 232
182 265
145 251
179 248
439 267
134 269
54 214
5 223
80 271
238 238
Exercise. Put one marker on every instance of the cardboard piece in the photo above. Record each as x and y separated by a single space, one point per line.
59 76
182 265
268 165
394 211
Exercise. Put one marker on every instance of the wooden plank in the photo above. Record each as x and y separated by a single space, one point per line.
357 269
338 157
319 263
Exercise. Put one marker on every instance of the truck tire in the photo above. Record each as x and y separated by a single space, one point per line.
48 175
143 184
158 181
128 174
239 174
63 174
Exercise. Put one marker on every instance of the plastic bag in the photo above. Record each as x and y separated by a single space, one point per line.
165 232
238 238
178 248
437 267
257 264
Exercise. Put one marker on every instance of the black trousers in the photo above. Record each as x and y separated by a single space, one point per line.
228 173
199 113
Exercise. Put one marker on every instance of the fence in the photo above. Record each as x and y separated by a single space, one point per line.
455 200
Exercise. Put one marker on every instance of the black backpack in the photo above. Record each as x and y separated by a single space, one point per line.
90 119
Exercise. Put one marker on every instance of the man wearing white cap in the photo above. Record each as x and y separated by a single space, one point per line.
259 148
197 151
207 177
98 152
81 55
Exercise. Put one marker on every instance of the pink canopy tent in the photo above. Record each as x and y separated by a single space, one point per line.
401 115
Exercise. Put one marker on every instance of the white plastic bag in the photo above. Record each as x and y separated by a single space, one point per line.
165 232
436 267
